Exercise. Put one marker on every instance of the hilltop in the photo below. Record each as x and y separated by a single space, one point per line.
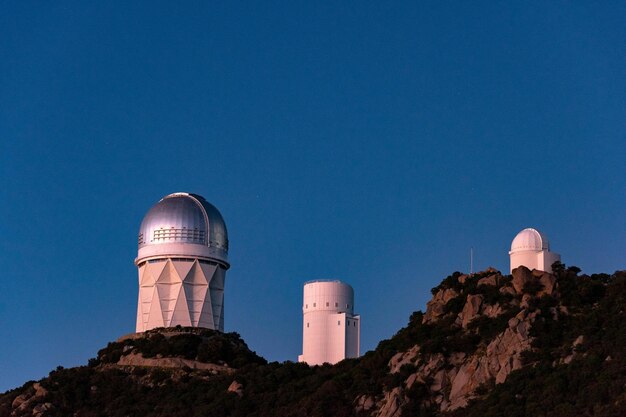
488 344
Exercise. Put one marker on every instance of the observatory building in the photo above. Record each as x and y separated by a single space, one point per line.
182 262
330 330
532 249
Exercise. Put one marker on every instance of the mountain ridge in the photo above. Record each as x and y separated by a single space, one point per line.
488 344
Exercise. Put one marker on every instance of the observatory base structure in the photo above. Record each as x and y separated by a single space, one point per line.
178 291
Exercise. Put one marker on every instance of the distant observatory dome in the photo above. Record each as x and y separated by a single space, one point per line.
187 219
530 239
531 249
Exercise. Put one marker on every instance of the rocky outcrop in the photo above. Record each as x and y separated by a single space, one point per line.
521 277
548 281
33 399
471 310
403 358
490 280
436 307
364 403
137 359
453 379
236 388
391 405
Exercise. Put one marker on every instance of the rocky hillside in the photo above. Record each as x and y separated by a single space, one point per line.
526 344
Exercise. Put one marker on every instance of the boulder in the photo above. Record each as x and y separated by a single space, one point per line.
507 290
439 381
411 380
493 310
579 341
19 400
364 403
392 403
521 275
39 390
537 273
236 388
435 308
549 283
490 280
402 358
471 310
40 409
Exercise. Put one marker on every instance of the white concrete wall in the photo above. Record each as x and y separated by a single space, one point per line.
180 292
547 259
540 260
326 335
353 337
528 258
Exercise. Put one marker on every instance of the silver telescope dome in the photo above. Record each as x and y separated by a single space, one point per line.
184 218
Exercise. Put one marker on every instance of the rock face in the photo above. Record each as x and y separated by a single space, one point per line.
136 359
490 280
33 399
521 276
453 379
435 308
364 403
236 388
548 281
461 375
471 310
391 405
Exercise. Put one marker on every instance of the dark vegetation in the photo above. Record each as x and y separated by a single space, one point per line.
592 384
202 345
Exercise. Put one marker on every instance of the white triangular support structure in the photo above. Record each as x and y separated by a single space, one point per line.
180 291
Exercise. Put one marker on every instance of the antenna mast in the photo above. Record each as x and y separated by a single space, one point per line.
471 260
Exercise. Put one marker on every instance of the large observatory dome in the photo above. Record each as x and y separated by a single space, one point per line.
530 240
187 219
182 262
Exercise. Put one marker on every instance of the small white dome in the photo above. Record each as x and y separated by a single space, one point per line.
530 239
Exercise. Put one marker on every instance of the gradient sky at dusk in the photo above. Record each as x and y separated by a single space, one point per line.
369 142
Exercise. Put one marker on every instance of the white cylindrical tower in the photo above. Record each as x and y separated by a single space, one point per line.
182 262
331 332
531 249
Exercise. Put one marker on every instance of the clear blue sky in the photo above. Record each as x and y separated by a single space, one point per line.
371 143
